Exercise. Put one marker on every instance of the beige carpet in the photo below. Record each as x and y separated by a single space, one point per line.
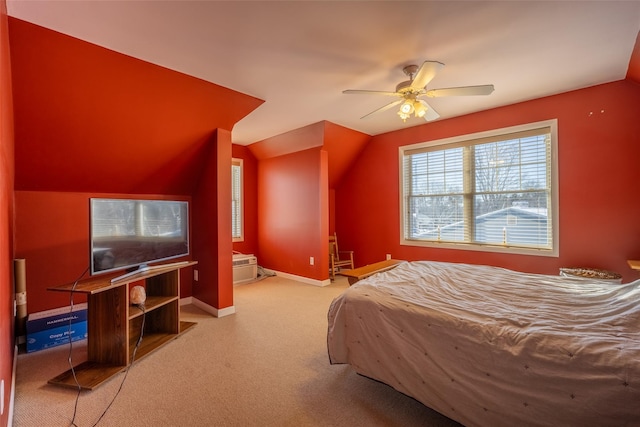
266 365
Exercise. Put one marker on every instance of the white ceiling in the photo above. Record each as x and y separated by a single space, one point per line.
298 56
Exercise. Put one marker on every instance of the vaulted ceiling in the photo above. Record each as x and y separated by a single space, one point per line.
298 56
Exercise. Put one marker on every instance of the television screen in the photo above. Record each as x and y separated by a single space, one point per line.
129 233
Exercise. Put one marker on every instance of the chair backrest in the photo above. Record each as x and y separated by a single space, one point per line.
333 247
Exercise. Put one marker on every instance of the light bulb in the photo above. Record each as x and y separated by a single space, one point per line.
403 116
407 107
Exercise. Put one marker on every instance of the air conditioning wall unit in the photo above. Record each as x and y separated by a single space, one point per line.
245 268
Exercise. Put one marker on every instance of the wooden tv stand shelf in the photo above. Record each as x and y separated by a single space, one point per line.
113 325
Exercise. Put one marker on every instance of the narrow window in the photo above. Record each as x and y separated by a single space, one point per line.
237 230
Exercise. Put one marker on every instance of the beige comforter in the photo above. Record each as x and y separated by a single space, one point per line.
487 346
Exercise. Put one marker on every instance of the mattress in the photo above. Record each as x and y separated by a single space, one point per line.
488 346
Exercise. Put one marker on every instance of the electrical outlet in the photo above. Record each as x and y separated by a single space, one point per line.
195 275
311 260
388 256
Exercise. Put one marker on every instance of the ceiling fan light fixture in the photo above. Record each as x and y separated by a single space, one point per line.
407 92
419 108
407 107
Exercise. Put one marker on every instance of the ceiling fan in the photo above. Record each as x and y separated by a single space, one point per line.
409 92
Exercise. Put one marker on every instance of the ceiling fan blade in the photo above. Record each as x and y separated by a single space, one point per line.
426 73
431 114
370 92
384 108
460 91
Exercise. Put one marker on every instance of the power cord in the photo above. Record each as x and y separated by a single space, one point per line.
69 358
133 356
141 306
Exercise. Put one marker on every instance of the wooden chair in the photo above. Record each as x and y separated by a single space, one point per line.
337 258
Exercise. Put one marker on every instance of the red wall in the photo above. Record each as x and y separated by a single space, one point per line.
6 215
89 119
52 235
211 226
300 139
633 72
250 199
293 213
280 157
598 154
343 146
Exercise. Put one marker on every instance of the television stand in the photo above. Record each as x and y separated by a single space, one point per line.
113 324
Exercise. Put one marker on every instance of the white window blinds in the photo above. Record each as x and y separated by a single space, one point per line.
489 190
236 200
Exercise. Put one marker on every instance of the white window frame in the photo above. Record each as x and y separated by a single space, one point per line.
468 140
237 200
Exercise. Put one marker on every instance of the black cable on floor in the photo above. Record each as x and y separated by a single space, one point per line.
133 356
69 359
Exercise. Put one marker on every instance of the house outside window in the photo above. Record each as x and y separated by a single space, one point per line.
491 191
237 220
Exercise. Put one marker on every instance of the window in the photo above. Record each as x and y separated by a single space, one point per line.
491 191
237 230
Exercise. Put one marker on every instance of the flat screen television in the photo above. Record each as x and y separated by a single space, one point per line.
127 234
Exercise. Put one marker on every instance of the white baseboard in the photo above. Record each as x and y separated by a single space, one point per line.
216 312
303 279
186 300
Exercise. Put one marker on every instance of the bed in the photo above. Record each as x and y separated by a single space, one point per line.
487 346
